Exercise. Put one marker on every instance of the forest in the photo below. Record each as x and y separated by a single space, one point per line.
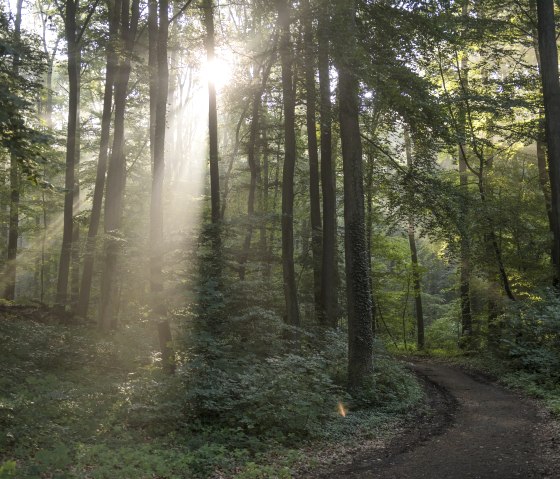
236 235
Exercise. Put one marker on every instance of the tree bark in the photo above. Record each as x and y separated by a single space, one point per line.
551 93
288 91
75 254
13 222
70 29
544 180
328 179
156 207
464 252
414 257
216 266
208 6
358 292
254 167
313 154
95 218
116 173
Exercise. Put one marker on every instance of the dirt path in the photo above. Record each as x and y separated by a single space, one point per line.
479 430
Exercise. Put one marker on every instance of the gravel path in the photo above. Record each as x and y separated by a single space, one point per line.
478 430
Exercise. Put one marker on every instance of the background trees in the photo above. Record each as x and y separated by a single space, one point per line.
285 171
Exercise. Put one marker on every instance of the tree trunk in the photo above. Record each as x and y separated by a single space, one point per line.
414 257
551 93
156 208
288 90
95 218
75 255
544 180
13 227
216 267
358 292
116 173
212 114
70 28
254 167
312 149
464 260
328 180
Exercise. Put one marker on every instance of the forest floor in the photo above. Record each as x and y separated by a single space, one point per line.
476 429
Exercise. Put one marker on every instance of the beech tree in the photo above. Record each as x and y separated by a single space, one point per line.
358 291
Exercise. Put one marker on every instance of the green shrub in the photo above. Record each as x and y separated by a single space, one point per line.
530 336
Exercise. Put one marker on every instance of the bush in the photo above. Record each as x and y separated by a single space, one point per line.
530 336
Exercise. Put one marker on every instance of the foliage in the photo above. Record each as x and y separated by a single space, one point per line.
21 66
530 337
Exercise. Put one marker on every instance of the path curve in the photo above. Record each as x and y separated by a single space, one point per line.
490 433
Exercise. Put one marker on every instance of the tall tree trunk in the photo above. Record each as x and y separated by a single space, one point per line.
414 257
358 292
264 203
70 29
95 218
158 173
216 267
312 149
254 167
464 254
328 179
116 173
212 114
13 228
289 101
551 93
75 255
156 208
544 180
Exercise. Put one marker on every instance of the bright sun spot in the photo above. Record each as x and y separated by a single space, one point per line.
218 72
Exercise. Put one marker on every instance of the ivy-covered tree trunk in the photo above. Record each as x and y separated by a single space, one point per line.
551 94
13 222
329 292
358 292
289 103
99 187
116 172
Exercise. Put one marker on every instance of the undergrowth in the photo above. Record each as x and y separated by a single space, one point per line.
76 404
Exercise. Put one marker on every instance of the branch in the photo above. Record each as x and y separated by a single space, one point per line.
86 21
183 8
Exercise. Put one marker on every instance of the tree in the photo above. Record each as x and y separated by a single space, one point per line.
116 173
358 291
328 178
551 95
95 218
73 35
289 104
313 154
13 235
208 12
414 254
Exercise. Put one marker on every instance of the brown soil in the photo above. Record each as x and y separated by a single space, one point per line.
476 429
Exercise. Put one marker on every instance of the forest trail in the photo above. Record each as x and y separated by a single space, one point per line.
478 430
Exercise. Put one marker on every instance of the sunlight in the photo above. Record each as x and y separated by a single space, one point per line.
341 409
218 72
